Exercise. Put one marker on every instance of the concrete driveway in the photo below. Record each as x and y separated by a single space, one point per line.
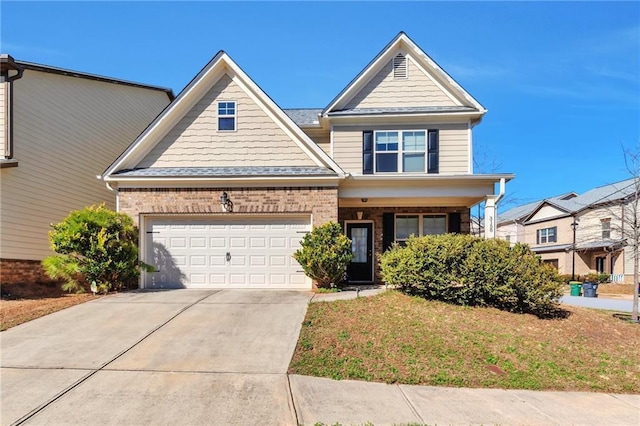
165 357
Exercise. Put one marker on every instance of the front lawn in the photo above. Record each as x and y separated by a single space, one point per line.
395 338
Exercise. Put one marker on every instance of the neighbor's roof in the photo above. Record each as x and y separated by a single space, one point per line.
525 210
95 77
225 171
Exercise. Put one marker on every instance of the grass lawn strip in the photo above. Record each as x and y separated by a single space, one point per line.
394 338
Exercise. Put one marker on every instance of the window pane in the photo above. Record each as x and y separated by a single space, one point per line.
386 162
386 141
413 141
413 163
226 123
359 245
406 226
434 225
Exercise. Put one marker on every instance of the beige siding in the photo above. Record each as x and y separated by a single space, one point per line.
322 138
564 232
66 130
454 146
417 90
547 212
196 142
3 117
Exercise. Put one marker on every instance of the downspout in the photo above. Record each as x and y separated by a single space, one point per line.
9 64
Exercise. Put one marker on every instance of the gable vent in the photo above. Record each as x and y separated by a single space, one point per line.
400 66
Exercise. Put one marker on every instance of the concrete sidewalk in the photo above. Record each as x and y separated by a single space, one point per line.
351 402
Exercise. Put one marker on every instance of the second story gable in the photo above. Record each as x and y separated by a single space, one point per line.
402 114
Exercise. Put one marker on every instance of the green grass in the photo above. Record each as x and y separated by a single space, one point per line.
395 338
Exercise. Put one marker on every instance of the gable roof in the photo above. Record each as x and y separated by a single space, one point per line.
428 65
520 212
217 67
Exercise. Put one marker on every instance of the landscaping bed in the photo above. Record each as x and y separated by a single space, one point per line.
395 338
24 302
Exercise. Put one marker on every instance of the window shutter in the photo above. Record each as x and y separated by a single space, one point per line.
388 230
454 223
367 152
538 236
433 152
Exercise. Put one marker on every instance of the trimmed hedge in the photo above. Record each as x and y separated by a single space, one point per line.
467 270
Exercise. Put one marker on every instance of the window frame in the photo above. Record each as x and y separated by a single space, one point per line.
606 228
401 151
540 237
420 217
234 115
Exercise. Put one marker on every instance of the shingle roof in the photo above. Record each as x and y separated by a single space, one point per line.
304 116
402 110
595 196
225 172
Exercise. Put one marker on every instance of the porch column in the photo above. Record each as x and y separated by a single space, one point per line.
490 216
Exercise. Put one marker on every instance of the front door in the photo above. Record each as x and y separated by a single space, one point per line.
361 267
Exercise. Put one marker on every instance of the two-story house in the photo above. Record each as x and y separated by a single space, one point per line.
224 183
599 221
58 130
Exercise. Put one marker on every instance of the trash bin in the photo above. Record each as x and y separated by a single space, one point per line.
590 289
576 286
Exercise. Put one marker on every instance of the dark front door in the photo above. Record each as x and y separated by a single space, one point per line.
361 267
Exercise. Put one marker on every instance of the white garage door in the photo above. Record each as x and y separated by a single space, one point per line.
249 252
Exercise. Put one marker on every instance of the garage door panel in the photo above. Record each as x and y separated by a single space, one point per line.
192 252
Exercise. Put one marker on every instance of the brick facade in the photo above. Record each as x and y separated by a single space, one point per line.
375 214
22 271
320 202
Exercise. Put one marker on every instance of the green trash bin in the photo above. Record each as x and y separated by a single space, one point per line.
576 286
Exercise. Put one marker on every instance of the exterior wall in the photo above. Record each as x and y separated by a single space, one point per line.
590 224
320 202
414 91
321 137
512 232
375 214
66 131
564 234
196 142
454 145
4 119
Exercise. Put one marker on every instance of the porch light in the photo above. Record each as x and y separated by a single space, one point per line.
225 202
359 215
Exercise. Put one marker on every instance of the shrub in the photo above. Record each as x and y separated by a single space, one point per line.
94 245
566 278
324 254
467 270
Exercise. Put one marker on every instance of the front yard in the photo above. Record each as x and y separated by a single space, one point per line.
394 338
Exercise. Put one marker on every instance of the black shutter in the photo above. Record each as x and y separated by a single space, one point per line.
433 152
388 230
454 223
367 152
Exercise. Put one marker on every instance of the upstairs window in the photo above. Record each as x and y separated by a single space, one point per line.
547 235
606 228
227 116
408 151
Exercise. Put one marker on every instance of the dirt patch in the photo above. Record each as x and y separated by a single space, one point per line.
612 288
20 303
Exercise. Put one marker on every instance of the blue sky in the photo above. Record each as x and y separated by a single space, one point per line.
561 80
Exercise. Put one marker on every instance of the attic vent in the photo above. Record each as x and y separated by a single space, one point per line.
400 66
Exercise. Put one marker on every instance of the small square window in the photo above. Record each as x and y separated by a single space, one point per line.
226 116
407 226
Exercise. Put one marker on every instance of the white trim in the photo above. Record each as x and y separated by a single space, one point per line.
470 146
331 141
373 246
234 116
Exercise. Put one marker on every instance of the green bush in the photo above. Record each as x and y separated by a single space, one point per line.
566 278
468 270
94 245
324 254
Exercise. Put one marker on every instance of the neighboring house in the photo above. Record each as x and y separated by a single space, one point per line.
601 236
224 184
59 129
